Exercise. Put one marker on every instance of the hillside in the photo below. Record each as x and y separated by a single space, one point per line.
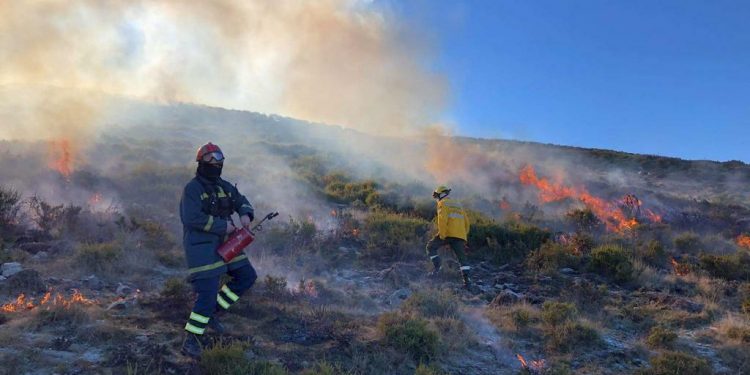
585 261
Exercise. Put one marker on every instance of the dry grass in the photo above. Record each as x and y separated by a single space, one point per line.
734 329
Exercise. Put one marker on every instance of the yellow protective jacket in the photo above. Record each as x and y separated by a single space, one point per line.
452 220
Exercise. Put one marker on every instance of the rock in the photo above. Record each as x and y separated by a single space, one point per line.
123 290
26 281
40 256
10 269
119 305
687 305
93 356
3 278
567 270
35 247
506 297
93 282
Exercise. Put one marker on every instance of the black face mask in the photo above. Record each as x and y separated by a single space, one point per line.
209 171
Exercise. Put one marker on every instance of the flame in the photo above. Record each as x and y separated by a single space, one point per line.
333 213
355 232
95 199
608 212
744 241
522 360
21 303
61 155
679 268
654 217
504 204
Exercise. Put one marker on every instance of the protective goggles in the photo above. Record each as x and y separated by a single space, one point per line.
216 155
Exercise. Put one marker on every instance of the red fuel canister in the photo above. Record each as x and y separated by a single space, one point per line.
234 245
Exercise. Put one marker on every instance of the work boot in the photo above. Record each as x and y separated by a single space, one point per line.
467 279
216 325
192 346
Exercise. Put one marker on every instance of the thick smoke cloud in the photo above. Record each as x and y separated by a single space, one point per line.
332 61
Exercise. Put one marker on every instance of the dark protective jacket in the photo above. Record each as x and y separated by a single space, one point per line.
205 208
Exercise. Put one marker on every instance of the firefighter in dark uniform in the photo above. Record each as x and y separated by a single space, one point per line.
206 207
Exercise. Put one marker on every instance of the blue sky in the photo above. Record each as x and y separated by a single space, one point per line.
646 76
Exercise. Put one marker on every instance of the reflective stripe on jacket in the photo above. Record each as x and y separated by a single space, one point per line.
203 233
452 219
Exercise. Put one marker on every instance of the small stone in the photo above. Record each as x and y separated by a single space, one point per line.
3 278
123 290
10 269
396 297
92 356
567 270
506 297
40 256
118 305
93 282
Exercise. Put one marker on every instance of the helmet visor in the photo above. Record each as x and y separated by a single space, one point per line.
213 156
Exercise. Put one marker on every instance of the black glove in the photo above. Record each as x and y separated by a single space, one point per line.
251 214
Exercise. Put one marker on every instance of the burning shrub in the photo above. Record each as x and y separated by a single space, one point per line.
688 242
430 304
729 267
661 337
99 257
551 257
410 334
392 236
669 363
612 261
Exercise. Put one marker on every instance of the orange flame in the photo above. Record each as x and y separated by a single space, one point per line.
355 232
95 199
21 303
744 241
522 360
504 204
333 213
608 212
61 155
654 217
679 268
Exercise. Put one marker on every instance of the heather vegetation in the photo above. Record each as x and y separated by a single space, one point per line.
342 286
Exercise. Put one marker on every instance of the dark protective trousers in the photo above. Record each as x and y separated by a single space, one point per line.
456 244
210 298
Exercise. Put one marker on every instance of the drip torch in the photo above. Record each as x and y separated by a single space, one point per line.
240 239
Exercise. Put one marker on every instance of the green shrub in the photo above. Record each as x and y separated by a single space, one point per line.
99 257
176 293
392 236
746 306
661 337
612 261
156 236
653 253
584 220
410 334
739 333
676 363
230 359
521 318
557 313
570 336
431 304
423 369
503 242
729 267
688 242
551 257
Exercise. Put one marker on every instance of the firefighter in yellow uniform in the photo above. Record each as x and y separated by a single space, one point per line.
453 229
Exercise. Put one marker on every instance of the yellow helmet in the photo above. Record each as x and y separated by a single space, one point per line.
441 191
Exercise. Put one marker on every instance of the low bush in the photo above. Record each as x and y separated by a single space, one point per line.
505 242
230 359
612 261
410 334
176 294
276 287
423 369
661 337
729 267
652 253
746 306
688 242
557 313
9 207
570 336
431 304
674 363
99 257
551 257
392 236
584 220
